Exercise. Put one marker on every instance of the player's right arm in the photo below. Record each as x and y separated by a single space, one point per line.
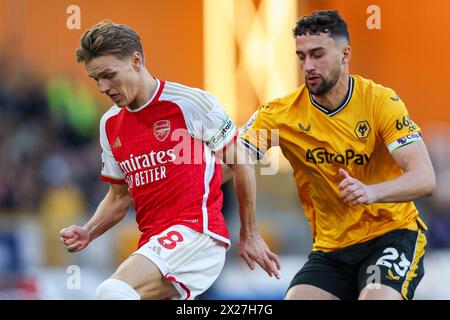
112 208
109 212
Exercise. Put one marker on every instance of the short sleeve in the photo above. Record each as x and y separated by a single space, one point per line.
255 135
394 124
218 129
205 117
111 171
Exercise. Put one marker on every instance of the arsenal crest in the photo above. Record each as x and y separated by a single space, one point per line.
161 129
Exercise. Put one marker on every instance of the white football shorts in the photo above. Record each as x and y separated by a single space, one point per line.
191 260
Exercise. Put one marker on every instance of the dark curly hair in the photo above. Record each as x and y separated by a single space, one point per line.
324 21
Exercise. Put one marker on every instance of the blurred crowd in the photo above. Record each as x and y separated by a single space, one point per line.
48 140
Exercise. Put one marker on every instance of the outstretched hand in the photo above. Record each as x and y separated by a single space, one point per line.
355 192
253 250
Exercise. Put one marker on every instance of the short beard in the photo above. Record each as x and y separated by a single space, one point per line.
326 84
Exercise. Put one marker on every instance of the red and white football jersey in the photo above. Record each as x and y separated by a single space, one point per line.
164 151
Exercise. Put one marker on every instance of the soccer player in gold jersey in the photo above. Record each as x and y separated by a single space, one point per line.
359 161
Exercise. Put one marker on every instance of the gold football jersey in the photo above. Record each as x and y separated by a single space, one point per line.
359 137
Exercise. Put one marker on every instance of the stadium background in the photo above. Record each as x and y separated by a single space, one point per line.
240 50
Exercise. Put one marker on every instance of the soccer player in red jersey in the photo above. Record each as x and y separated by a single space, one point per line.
161 145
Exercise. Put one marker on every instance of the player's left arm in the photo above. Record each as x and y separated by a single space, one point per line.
219 133
402 138
227 173
418 179
252 246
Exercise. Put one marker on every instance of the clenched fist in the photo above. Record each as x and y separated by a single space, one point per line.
355 192
74 238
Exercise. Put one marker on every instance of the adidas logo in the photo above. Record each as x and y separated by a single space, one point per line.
117 143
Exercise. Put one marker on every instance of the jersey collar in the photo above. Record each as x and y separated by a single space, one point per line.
342 106
153 97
